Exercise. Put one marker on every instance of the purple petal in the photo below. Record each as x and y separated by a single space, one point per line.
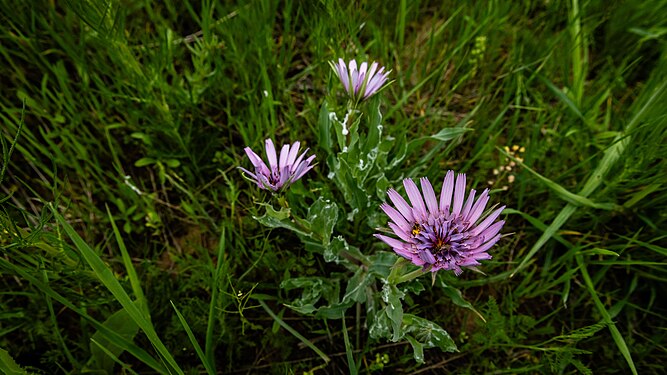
459 193
362 76
299 159
415 198
256 161
375 82
271 154
303 168
478 208
354 77
343 74
404 235
447 190
402 206
468 205
429 196
485 224
371 71
254 177
293 153
284 153
491 231
469 262
487 245
427 257
398 246
396 216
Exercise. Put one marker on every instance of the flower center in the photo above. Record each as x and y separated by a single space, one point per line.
439 236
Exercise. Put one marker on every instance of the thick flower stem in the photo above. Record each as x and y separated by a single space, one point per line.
410 276
395 276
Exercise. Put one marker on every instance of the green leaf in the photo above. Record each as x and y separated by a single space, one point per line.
380 326
278 219
417 349
106 276
599 251
313 289
394 309
172 163
334 311
144 162
8 366
324 126
121 323
565 194
323 216
356 286
340 252
193 340
447 134
381 263
456 296
429 334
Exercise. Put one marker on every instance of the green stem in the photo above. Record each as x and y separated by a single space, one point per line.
410 276
396 269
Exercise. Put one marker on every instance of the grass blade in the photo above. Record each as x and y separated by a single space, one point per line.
615 333
112 336
296 334
221 264
610 157
107 278
129 267
193 340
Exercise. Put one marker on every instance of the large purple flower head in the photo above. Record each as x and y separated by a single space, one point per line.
360 83
282 171
442 235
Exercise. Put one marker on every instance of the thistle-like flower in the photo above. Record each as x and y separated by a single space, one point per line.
360 83
282 171
442 235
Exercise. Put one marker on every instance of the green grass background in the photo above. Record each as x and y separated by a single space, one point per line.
127 232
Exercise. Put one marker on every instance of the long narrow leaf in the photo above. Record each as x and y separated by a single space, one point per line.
106 276
110 335
615 333
193 340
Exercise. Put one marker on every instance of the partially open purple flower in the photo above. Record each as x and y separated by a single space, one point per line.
442 235
360 83
282 171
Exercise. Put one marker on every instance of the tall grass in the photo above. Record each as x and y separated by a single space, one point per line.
127 233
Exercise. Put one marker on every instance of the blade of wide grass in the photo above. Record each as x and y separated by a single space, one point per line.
193 340
565 194
615 333
105 275
221 264
113 356
609 159
129 267
296 334
348 350
56 328
112 336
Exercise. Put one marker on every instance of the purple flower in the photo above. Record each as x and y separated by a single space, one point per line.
442 235
281 171
360 83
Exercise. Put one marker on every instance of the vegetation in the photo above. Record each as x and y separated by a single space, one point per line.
132 243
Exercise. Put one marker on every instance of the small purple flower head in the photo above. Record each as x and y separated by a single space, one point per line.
360 83
282 171
442 235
